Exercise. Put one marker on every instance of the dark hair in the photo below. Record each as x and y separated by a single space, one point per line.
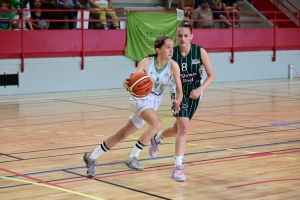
159 42
185 22
4 2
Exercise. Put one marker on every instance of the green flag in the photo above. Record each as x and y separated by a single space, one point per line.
142 30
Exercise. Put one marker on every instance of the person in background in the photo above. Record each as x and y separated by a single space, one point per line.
169 4
216 7
230 7
38 15
187 6
203 12
17 24
5 16
69 5
102 8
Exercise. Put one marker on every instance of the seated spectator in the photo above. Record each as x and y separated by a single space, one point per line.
51 5
38 15
102 8
215 5
17 24
186 5
169 4
69 5
229 7
5 16
203 12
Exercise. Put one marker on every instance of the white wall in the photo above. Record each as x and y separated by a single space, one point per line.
64 74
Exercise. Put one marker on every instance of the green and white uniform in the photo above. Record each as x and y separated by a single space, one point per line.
191 72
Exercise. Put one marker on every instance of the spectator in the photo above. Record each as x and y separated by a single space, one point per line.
229 6
103 8
186 5
215 5
5 16
38 15
203 12
51 5
169 4
17 24
69 5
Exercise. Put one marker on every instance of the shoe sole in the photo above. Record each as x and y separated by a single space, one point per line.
179 180
133 169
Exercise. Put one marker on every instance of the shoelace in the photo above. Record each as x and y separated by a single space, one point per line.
92 163
181 167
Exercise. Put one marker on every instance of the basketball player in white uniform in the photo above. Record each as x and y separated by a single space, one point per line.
160 68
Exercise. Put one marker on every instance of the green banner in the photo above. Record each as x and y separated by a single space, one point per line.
142 30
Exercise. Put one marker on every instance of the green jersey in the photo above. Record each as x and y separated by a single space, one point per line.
191 71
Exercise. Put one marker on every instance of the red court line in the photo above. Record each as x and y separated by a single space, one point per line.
31 178
261 182
190 164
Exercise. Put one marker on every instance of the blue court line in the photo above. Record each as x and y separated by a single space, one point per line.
159 158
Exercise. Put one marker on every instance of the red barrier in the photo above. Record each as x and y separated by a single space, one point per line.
61 43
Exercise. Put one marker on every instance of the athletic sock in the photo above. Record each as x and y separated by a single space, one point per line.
102 148
158 137
137 149
178 160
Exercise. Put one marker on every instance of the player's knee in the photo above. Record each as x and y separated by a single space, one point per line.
183 129
156 125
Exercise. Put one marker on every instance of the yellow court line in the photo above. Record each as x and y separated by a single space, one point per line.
291 158
53 187
250 152
98 135
193 144
134 138
7 129
211 147
230 149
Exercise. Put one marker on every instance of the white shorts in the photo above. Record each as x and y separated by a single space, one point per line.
138 105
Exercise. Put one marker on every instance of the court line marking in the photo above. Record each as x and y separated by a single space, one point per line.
197 163
28 177
260 182
53 187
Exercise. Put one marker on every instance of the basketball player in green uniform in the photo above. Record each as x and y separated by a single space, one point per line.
192 60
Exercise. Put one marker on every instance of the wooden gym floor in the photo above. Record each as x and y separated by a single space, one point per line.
244 143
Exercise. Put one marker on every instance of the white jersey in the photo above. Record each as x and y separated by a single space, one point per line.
160 78
153 100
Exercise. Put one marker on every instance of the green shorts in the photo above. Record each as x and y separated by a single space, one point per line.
188 106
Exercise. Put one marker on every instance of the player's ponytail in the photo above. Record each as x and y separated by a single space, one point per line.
185 22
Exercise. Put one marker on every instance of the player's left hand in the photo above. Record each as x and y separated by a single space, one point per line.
176 106
195 94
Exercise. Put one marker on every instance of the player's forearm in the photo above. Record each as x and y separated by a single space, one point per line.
207 82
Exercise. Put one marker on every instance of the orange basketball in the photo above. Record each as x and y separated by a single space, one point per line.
140 84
